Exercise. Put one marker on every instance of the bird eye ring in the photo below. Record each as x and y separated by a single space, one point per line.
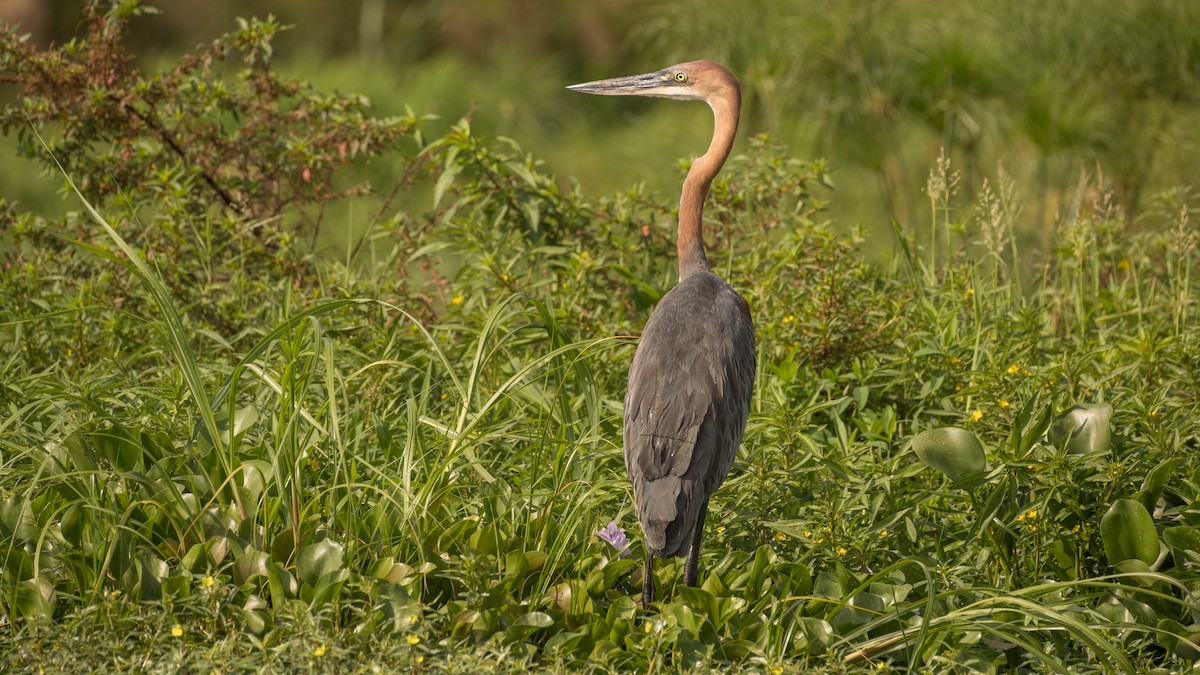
681 77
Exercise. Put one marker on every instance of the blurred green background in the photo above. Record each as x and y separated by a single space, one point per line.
1045 93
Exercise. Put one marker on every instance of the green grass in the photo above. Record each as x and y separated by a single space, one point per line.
408 474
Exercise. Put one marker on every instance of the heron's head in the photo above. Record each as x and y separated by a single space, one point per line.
691 81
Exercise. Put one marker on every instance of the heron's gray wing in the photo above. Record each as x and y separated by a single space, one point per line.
686 407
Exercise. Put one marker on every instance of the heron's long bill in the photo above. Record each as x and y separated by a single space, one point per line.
659 83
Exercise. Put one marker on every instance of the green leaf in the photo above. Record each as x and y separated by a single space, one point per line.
249 564
817 635
1083 429
953 451
527 625
1128 533
1183 641
36 600
282 585
317 560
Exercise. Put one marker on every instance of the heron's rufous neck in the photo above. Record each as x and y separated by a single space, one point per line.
695 187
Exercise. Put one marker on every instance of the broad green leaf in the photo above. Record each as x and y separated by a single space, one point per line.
1128 533
1083 429
282 585
527 625
953 451
816 635
326 589
317 560
1184 641
36 600
1182 539
249 564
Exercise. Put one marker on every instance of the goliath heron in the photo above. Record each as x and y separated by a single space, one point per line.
693 371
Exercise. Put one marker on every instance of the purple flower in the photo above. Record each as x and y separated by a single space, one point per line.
615 536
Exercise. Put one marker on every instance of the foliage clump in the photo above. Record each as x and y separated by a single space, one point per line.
219 128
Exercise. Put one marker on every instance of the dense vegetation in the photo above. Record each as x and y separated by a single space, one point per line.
221 449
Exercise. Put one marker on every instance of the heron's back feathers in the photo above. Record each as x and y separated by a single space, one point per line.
686 406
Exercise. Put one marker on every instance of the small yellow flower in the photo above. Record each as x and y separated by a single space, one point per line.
720 529
776 670
1031 514
841 551
779 536
1075 530
807 534
419 660
976 415
504 278
457 299
882 534
789 318
207 582
319 651
1003 404
177 631
1014 369
1123 265
827 529
954 360
413 640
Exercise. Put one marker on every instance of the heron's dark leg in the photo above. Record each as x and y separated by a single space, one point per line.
689 566
648 581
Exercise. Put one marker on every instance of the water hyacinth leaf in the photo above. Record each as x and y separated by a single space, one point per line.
1184 541
1128 533
151 571
574 642
735 650
616 569
953 451
1083 429
16 519
282 585
249 564
1142 613
326 589
815 635
36 600
861 609
526 625
252 621
317 560
516 564
828 586
1184 641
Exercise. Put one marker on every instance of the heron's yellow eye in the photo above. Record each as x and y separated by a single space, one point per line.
681 77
